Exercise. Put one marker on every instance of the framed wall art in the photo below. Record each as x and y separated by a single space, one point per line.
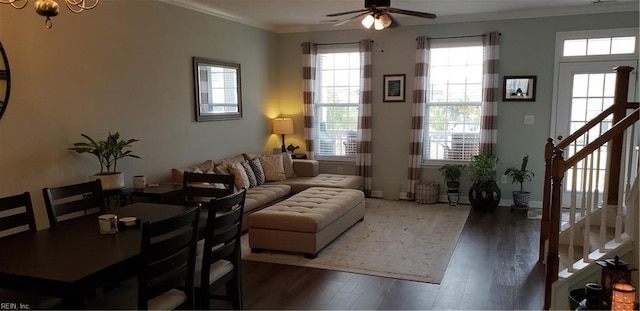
519 88
217 88
394 88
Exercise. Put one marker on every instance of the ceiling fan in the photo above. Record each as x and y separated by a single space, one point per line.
377 14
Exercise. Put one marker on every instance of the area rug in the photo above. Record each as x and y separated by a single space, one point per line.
397 239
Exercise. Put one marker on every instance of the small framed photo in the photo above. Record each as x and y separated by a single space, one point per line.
519 88
394 88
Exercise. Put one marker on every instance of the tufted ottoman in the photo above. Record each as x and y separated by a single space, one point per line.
307 221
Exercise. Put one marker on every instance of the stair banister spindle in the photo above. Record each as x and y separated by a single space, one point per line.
603 209
586 231
619 209
572 219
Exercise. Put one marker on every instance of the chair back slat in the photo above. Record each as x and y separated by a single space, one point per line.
168 254
87 198
222 240
21 217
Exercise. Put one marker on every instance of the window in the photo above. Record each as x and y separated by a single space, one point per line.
337 99
599 46
454 100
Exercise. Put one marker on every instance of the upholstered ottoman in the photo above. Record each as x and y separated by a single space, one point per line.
307 221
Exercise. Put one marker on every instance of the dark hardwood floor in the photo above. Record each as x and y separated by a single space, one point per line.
494 267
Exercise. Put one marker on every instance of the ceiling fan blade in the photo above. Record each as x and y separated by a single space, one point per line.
394 22
350 19
345 13
412 13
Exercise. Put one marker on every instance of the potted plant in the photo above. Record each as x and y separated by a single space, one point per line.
108 152
484 193
452 174
520 175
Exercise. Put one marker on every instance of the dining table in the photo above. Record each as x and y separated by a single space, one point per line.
72 259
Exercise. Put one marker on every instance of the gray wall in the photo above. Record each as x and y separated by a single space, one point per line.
526 48
126 67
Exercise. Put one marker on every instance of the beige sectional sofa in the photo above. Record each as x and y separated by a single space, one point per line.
300 175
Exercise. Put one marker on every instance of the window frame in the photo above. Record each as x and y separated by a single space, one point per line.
436 44
333 49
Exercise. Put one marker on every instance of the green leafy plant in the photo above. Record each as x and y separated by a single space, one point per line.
520 175
107 151
452 172
482 167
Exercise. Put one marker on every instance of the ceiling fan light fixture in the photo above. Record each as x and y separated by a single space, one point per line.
378 25
385 19
368 21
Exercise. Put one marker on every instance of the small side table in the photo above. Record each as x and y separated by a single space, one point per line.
162 193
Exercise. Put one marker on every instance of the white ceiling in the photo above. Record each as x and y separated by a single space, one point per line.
284 16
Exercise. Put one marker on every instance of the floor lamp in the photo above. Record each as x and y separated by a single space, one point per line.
283 126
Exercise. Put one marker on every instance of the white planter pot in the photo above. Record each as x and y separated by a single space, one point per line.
110 181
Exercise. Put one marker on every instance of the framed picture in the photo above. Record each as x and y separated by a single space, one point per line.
394 88
519 88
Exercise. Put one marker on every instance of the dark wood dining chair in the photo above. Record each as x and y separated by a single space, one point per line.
199 187
18 219
166 268
219 262
67 202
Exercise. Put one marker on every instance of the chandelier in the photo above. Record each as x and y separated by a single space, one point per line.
50 8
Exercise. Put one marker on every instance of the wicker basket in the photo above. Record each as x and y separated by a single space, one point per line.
427 192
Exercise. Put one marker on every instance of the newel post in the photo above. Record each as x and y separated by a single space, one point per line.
546 199
553 259
619 112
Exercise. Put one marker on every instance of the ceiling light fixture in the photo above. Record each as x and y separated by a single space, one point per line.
368 20
50 8
378 20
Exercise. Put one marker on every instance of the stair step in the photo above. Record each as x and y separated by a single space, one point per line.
594 239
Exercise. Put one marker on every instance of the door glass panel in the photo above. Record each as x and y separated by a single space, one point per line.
599 46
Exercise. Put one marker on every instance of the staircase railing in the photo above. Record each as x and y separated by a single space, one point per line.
588 175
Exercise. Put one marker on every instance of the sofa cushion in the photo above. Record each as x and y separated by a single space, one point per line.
299 184
241 179
261 196
256 166
178 173
250 174
287 163
273 167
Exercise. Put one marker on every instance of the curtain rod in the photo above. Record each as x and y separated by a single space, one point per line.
456 37
337 43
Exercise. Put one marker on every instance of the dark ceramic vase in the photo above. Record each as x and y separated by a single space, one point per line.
484 195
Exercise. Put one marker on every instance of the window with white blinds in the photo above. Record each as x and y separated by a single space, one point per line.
454 99
337 97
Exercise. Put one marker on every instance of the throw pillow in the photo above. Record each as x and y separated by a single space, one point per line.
257 170
272 167
241 179
287 162
250 174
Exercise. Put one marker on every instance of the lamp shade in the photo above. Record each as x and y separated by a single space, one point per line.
283 126
624 297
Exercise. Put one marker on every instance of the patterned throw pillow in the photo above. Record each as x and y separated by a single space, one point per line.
250 174
241 179
272 167
256 166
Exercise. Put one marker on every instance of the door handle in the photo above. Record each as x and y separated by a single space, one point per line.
560 137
